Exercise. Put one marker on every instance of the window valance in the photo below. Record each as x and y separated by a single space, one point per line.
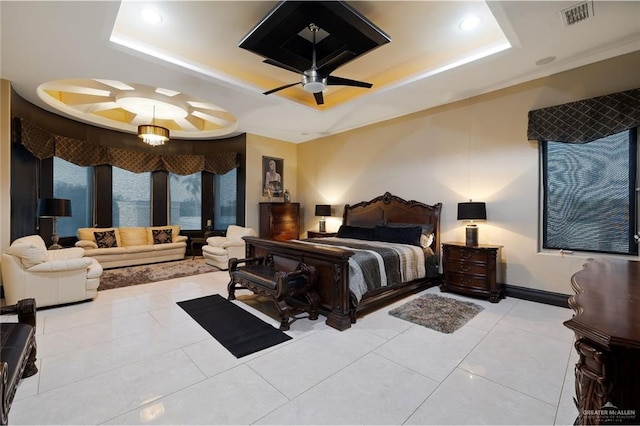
43 144
586 120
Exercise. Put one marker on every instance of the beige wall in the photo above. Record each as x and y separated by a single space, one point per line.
5 165
471 149
257 147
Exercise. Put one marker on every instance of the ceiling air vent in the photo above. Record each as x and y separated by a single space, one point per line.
577 13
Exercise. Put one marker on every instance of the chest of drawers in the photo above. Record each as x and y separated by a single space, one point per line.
472 270
280 221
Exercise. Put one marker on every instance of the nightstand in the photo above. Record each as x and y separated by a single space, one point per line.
318 234
472 270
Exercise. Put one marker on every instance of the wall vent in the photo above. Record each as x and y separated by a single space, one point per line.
577 13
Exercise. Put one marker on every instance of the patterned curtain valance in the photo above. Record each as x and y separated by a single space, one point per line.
586 120
43 144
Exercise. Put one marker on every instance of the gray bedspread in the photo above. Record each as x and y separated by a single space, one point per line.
378 264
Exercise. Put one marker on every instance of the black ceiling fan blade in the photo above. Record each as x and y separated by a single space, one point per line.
319 98
280 88
339 81
283 66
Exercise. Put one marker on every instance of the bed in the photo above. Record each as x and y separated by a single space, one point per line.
332 257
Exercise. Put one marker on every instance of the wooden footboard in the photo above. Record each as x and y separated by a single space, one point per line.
332 269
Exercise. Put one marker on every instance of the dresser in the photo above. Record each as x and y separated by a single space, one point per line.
472 270
280 221
607 328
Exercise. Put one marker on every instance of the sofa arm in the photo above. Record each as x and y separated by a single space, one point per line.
62 265
65 254
216 241
86 244
181 239
233 243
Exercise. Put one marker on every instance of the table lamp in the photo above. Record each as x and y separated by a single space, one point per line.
54 208
472 211
323 210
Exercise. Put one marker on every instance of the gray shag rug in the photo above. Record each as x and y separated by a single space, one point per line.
442 314
142 274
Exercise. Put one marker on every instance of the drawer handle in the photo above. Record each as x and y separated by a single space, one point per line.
467 254
465 268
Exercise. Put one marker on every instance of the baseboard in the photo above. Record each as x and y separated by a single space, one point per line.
541 296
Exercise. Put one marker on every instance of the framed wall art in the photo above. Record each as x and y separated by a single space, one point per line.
272 177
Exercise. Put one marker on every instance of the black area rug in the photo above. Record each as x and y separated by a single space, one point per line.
236 329
442 314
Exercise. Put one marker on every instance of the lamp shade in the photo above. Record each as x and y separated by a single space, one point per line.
323 210
472 211
54 207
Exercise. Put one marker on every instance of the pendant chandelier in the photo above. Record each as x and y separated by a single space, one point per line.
152 134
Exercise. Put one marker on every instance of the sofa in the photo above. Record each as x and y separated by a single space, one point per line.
51 277
219 250
128 246
17 352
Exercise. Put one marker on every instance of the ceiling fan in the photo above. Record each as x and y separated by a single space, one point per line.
312 80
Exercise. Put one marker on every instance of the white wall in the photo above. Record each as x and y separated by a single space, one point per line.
476 149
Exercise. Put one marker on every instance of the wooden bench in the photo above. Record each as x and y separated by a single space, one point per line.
17 351
290 284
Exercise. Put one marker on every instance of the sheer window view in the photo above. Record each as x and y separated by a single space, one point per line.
73 183
589 195
185 193
226 196
131 198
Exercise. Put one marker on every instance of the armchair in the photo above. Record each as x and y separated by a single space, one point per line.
219 250
51 277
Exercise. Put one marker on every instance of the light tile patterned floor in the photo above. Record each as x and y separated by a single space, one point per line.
132 356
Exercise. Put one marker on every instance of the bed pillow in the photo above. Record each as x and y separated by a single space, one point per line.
106 239
388 234
426 239
162 236
355 232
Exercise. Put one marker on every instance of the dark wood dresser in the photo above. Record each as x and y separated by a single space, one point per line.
607 327
280 221
472 270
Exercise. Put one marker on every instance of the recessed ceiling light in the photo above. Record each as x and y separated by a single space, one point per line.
469 23
151 16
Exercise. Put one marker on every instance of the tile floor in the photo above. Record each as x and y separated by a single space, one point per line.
132 356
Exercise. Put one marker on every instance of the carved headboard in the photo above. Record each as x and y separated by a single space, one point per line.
389 208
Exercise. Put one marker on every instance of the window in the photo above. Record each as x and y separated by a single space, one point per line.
185 194
73 183
589 198
131 198
226 196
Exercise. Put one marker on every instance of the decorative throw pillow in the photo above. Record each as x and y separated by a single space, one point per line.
162 236
106 239
355 232
398 235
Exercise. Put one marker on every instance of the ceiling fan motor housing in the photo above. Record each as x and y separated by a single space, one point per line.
313 82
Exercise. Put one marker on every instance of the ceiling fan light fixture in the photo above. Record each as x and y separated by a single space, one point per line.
312 82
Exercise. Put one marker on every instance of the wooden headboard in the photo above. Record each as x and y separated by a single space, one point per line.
389 208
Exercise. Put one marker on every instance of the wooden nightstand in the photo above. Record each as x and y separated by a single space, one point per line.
472 270
318 234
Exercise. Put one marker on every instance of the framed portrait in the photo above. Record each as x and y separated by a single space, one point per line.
272 177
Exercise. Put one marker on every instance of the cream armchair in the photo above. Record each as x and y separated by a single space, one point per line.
219 250
52 277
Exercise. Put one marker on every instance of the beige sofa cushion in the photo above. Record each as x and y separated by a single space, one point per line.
30 249
175 231
133 236
88 234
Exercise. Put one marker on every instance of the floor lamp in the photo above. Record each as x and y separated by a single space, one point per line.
54 208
